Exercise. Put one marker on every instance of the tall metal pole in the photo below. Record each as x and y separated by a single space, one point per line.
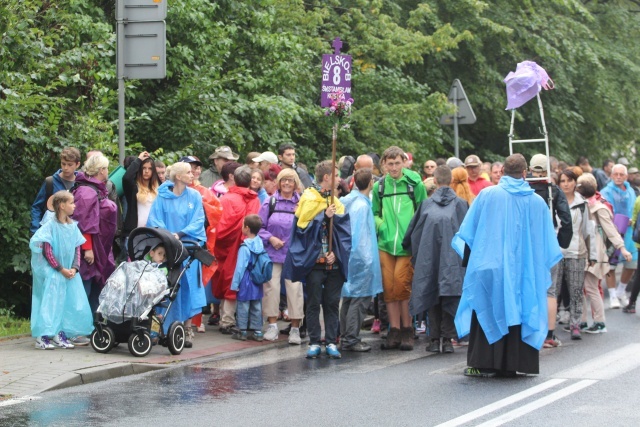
120 75
456 148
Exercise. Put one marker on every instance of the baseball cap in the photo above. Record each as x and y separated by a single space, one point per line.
623 161
453 162
191 159
633 170
472 160
267 156
224 152
538 163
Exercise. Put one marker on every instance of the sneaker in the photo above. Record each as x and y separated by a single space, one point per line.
332 352
480 373
188 338
575 332
214 320
583 326
272 332
313 352
596 328
44 343
421 328
563 317
461 342
434 346
624 300
375 327
447 346
228 330
614 302
256 336
80 341
61 340
552 342
630 308
294 336
200 329
239 335
359 347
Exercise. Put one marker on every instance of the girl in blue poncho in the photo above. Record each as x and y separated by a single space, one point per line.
59 305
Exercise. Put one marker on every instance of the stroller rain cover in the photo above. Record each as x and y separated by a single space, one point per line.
131 290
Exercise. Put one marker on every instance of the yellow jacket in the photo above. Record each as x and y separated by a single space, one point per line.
311 204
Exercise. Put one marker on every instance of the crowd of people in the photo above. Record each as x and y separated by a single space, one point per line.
489 255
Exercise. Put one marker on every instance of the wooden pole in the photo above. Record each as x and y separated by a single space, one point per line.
333 180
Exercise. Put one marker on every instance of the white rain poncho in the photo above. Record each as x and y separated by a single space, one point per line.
131 290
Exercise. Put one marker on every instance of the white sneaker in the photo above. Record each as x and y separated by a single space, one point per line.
563 317
294 336
614 302
272 333
622 297
61 341
44 343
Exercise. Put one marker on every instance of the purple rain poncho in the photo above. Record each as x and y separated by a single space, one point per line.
525 83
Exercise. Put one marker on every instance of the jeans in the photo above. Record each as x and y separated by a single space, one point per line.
323 287
249 315
352 314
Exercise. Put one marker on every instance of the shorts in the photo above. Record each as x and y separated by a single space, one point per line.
630 265
397 275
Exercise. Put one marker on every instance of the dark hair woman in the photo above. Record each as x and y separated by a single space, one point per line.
140 185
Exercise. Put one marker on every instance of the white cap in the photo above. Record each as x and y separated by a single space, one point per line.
267 156
538 163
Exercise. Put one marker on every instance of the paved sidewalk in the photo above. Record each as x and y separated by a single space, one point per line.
25 371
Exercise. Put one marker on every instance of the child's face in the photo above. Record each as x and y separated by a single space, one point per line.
246 230
68 169
68 207
158 255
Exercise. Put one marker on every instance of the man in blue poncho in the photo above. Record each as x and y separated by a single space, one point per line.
365 278
509 245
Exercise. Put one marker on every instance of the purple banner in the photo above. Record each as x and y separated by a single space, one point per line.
336 75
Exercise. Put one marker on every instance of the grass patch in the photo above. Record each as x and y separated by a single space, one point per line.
10 324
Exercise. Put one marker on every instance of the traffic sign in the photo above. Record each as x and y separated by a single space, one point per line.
145 50
464 112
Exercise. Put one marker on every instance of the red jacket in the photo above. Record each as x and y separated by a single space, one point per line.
236 204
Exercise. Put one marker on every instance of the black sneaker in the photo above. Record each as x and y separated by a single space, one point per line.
447 346
214 320
596 328
228 330
434 346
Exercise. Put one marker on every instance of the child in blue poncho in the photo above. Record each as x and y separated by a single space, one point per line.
59 305
249 299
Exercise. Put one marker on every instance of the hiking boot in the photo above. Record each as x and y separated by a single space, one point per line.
630 308
44 343
313 352
375 327
575 332
406 339
272 332
479 373
359 347
294 336
393 340
552 342
597 328
239 335
434 346
332 352
61 341
447 346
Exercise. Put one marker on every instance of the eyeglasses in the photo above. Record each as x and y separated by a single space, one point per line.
291 180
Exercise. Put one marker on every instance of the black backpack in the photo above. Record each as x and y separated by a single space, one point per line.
410 192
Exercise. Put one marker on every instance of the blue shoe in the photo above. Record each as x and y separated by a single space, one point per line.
332 352
314 351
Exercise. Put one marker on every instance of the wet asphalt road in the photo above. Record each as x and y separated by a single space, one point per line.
593 382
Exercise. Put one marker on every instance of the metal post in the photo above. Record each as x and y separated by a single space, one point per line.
456 148
120 76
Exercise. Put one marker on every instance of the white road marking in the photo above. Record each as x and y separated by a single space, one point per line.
537 404
501 403
606 366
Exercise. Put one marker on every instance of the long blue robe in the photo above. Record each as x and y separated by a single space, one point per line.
513 247
365 276
57 303
182 214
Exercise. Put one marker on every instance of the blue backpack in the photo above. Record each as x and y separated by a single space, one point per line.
260 267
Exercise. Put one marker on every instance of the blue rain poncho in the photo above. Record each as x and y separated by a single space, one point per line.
513 247
57 303
182 214
365 276
622 202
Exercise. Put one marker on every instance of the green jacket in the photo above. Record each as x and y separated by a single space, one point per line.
397 210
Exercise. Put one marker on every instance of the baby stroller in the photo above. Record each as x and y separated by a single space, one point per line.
128 307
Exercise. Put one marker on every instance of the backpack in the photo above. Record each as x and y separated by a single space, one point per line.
260 267
272 207
636 230
86 184
410 192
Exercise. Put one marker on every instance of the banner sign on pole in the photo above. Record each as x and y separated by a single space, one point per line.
336 74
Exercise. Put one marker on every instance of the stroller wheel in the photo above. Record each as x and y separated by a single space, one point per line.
176 337
103 342
140 344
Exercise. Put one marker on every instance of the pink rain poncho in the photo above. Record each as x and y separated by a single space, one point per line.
523 85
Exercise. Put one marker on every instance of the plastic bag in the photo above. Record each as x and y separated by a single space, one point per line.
131 290
523 85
